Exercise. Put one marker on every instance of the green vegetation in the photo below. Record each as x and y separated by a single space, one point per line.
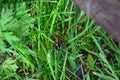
54 40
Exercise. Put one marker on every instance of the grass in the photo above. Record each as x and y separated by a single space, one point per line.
54 40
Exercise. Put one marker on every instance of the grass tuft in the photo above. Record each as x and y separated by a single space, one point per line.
54 40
